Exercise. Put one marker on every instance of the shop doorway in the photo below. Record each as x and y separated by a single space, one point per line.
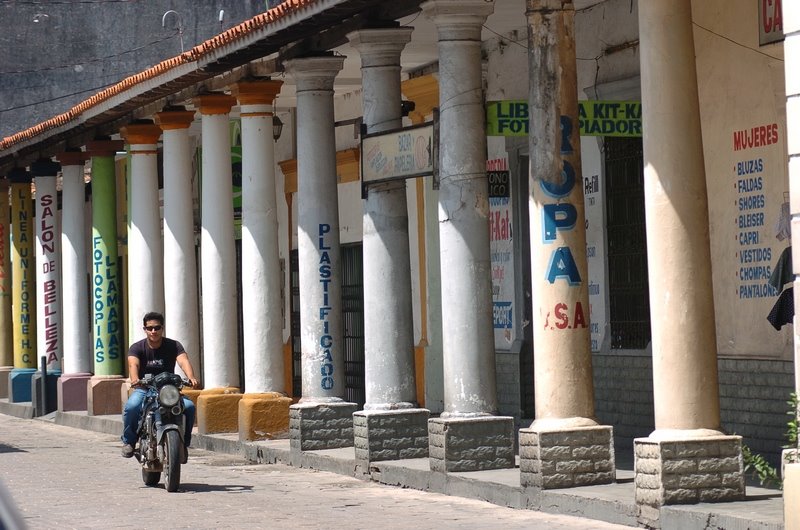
629 298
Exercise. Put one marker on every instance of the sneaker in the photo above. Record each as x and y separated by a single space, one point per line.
127 450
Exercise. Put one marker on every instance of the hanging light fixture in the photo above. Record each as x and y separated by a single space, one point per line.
277 127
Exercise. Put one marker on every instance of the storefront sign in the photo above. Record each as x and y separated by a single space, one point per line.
398 154
770 21
595 118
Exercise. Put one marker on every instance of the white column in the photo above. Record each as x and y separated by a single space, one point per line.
388 316
261 274
318 229
217 248
48 265
74 252
145 257
181 308
468 341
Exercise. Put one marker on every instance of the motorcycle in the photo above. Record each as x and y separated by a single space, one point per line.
161 430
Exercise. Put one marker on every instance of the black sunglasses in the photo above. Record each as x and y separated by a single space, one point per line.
153 328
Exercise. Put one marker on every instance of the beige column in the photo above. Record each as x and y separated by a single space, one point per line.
685 386
559 272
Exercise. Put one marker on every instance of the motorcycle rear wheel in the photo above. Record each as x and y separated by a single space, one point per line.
174 456
150 478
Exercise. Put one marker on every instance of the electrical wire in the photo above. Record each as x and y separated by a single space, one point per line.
746 47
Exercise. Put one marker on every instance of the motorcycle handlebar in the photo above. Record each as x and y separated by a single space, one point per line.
145 382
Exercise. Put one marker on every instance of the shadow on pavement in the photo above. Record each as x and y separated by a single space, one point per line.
203 488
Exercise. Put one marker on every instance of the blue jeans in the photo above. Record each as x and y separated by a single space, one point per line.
133 411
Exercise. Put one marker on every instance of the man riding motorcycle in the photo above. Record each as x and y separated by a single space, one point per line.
153 355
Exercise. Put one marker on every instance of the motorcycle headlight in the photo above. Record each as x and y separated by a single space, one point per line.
169 395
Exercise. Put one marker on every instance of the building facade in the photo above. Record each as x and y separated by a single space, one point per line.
602 252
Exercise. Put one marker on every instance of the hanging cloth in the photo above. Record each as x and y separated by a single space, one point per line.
783 310
782 273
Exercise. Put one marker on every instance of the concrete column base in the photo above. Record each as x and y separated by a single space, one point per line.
471 444
71 389
390 435
103 395
565 458
686 471
315 426
218 410
263 416
791 497
4 372
19 384
50 384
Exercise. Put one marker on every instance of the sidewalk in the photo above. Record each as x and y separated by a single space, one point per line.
614 503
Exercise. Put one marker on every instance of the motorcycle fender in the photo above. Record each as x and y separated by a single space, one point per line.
162 431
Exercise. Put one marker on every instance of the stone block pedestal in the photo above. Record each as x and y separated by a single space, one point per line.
4 371
314 426
686 471
218 410
103 395
263 416
71 389
471 444
568 457
390 435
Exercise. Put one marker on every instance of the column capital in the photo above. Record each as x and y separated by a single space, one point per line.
314 73
380 46
261 92
170 120
216 103
19 175
104 147
72 158
44 167
458 19
140 133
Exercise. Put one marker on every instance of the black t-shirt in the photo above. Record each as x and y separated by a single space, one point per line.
156 361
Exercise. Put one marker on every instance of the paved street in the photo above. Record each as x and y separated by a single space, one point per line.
68 478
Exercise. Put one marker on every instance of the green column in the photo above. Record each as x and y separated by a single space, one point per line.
106 283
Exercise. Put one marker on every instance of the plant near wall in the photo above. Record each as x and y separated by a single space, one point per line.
758 467
791 425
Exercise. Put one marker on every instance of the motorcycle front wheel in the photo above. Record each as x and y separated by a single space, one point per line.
172 467
150 478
